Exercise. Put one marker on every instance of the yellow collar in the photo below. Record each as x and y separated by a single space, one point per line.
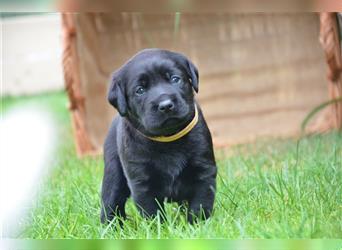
180 134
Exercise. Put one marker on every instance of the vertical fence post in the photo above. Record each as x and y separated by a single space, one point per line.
330 39
73 84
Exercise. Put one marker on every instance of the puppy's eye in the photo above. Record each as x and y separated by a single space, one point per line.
176 79
139 90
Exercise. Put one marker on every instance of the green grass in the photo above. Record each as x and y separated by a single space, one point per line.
264 190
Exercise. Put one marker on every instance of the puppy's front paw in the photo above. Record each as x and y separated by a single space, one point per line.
198 214
108 215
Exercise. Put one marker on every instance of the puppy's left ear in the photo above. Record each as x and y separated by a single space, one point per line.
193 73
190 68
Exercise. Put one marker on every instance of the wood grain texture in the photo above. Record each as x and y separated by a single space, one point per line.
260 74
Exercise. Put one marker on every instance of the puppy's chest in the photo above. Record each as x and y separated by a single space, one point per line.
161 169
169 164
165 171
169 171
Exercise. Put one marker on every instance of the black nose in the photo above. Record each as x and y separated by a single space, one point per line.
166 106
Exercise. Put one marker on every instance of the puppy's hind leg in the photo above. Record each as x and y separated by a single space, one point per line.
115 191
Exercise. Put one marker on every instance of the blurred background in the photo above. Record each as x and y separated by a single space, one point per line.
262 76
32 53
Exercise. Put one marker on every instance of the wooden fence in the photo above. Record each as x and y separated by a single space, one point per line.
260 74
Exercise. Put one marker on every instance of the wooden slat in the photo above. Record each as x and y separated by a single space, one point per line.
259 73
73 86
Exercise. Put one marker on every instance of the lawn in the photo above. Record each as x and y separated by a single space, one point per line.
264 190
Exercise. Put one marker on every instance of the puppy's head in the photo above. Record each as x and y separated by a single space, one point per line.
154 91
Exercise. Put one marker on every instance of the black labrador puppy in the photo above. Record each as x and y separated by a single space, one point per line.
160 147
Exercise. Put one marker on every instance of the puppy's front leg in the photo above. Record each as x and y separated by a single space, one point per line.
147 201
202 200
201 204
115 191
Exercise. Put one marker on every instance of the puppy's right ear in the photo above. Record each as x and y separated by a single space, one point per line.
194 75
116 96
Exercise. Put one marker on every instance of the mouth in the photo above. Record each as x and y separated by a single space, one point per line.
157 124
169 126
172 122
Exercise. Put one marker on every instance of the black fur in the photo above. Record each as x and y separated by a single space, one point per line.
181 171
